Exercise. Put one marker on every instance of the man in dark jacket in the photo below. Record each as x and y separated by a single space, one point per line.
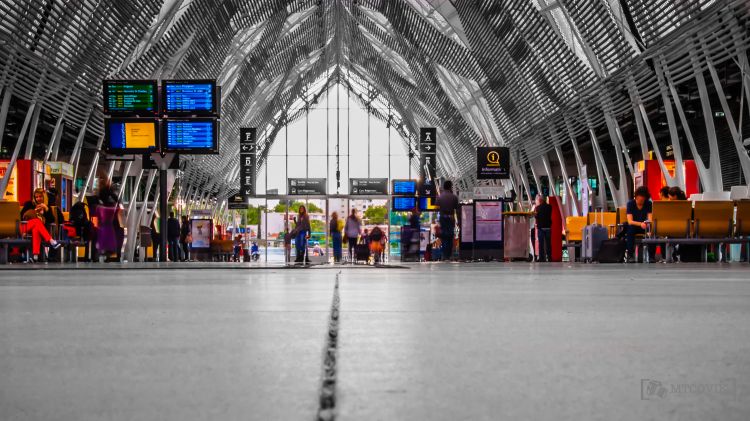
543 215
173 237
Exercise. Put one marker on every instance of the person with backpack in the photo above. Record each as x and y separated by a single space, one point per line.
376 243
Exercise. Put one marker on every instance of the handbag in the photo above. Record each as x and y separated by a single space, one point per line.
189 238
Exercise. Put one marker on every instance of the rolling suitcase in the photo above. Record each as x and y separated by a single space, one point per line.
362 252
593 236
612 250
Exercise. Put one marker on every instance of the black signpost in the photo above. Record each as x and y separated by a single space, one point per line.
248 149
149 163
427 161
368 186
306 186
493 163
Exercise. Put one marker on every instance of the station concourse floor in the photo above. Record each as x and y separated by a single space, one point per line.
445 341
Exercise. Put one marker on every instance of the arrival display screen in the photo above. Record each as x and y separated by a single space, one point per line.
189 97
130 98
404 187
195 136
403 204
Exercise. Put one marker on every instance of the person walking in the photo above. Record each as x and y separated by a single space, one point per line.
335 237
352 229
185 238
543 216
173 237
302 234
155 237
448 204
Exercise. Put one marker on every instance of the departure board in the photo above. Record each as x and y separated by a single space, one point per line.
403 204
131 136
189 97
404 187
193 136
130 97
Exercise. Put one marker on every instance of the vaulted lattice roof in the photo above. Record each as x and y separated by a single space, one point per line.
522 73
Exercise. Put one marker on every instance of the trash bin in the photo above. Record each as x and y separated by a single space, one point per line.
516 227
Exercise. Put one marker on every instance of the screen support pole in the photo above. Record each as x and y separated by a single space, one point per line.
163 213
163 164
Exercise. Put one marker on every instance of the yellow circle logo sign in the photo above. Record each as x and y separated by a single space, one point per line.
493 159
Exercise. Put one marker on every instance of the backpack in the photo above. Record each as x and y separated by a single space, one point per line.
80 220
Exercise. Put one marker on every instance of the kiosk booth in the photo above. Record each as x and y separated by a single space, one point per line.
61 178
27 175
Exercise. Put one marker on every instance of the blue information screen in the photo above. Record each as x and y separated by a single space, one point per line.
117 138
191 135
189 97
404 204
404 187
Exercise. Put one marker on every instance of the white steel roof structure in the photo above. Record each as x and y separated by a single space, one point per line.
535 75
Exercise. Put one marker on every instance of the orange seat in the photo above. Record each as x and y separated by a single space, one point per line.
574 228
742 228
608 219
10 219
713 218
672 219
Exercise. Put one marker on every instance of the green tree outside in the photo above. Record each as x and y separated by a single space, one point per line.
376 214
294 207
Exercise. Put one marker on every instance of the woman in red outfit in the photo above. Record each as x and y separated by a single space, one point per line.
35 212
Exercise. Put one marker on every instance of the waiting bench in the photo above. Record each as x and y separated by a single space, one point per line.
709 223
10 229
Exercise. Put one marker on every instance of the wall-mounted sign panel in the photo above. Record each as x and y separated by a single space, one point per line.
306 186
368 186
493 163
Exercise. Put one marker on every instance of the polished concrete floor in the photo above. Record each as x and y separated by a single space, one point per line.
432 342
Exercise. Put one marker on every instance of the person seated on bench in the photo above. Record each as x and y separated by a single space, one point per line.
664 193
38 215
638 217
35 227
676 193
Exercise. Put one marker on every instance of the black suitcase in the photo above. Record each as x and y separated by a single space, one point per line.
362 252
690 253
612 250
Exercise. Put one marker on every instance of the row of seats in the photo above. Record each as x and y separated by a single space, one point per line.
11 234
702 222
677 219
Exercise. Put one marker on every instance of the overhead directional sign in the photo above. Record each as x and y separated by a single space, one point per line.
306 186
248 157
237 201
427 161
368 186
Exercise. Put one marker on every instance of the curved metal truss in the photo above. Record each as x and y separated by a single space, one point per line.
535 75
